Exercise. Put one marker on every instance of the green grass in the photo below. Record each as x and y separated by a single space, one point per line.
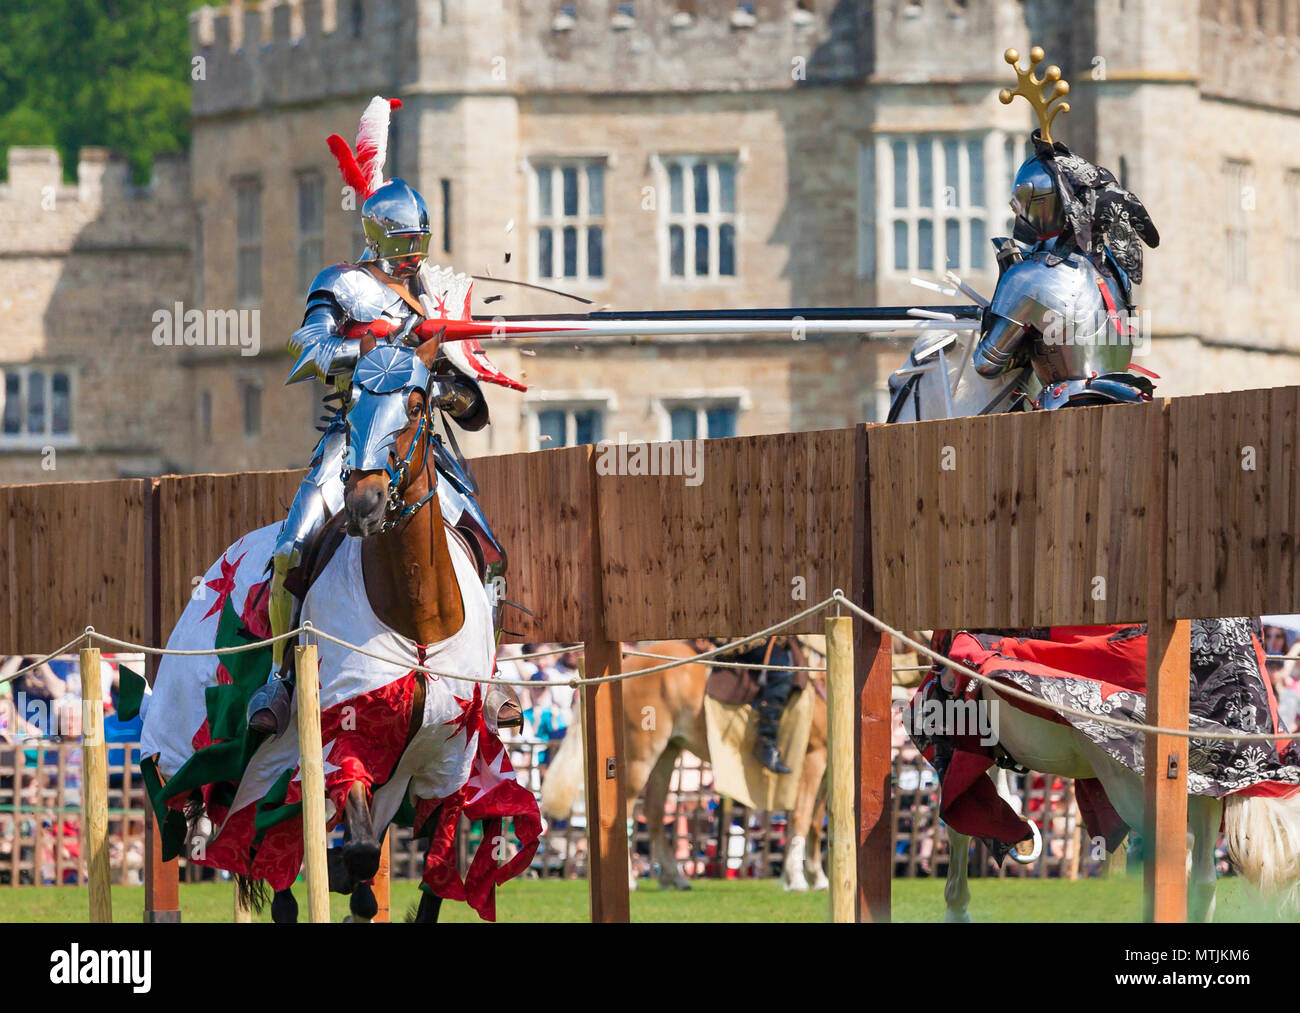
1010 900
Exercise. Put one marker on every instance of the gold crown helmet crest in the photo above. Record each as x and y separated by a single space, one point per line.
1031 88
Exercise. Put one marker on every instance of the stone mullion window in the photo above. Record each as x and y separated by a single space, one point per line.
37 405
1292 229
311 227
1239 201
700 217
567 423
704 419
933 201
248 240
568 201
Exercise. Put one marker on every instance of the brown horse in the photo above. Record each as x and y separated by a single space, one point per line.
663 714
412 587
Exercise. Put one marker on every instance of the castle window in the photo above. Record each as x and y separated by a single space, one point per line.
700 219
205 416
446 215
1292 230
701 419
1239 202
933 201
248 240
251 397
358 19
37 406
566 424
569 219
311 227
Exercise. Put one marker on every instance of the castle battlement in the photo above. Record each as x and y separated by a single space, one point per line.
282 52
40 213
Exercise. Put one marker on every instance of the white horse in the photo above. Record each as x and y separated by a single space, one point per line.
1263 834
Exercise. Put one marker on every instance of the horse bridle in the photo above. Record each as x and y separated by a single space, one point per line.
398 510
393 372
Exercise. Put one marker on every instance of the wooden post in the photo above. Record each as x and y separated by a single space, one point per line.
383 880
1164 838
312 770
839 733
161 879
94 770
602 739
1169 663
872 679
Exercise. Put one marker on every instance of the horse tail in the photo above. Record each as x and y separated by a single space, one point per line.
251 893
1263 838
563 781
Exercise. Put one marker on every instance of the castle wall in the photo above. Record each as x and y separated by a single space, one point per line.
85 266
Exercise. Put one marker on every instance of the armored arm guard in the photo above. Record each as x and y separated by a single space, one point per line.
1011 314
337 295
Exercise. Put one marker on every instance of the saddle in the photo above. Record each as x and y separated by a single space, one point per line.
739 686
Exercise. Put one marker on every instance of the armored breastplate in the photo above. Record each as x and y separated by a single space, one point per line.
1073 315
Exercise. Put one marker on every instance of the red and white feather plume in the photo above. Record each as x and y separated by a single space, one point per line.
363 170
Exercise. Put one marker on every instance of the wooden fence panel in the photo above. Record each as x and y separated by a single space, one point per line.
1234 504
201 515
539 506
768 516
1029 519
72 556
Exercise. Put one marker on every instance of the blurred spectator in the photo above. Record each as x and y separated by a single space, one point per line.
1286 685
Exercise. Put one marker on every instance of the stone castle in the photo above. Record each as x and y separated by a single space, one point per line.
653 155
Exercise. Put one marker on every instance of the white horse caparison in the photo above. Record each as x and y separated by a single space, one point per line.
1263 834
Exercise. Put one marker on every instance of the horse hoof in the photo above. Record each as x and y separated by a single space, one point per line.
954 917
361 858
363 905
821 883
340 879
792 885
284 908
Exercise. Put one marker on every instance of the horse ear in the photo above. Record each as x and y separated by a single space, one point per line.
367 343
428 351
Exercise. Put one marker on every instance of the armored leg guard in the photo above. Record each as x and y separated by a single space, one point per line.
317 499
770 705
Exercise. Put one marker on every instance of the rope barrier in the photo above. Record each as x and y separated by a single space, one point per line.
838 598
738 664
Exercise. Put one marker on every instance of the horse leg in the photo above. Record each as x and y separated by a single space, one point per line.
361 852
956 891
816 837
284 908
656 797
1203 814
801 818
430 905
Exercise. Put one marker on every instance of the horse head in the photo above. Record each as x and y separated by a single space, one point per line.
389 426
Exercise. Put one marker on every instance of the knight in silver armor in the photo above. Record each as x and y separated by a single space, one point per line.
381 294
1064 302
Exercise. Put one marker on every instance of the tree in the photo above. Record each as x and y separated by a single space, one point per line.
96 72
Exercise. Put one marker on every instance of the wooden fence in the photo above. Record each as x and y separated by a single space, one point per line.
1157 513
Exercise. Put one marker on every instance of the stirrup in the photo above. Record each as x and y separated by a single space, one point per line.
268 707
501 709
